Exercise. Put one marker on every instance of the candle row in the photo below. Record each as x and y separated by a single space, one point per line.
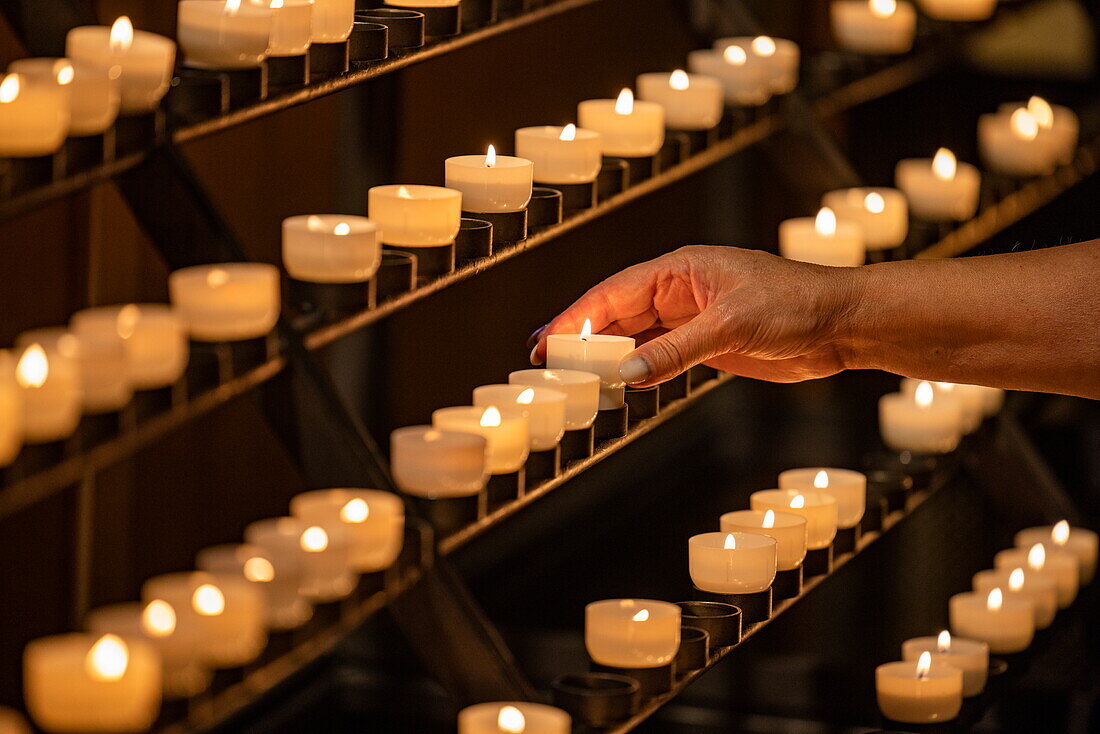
888 27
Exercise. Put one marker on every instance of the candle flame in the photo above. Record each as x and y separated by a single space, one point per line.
924 394
314 539
122 34
883 8
127 321
342 229
586 330
1060 532
798 502
730 543
208 600
259 570
1041 110
995 600
490 157
217 277
490 418
403 193
821 479
1023 125
641 616
825 222
943 642
232 6
924 664
33 367
1016 579
763 46
511 720
624 104
526 397
944 165
679 80
769 519
568 133
108 659
735 55
1037 557
355 511
65 73
9 88
158 619
874 203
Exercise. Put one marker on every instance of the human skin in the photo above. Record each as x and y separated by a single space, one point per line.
1021 321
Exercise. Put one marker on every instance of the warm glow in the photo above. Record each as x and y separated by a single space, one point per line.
821 479
33 367
624 105
276 4
731 542
526 397
568 133
314 539
9 88
258 569
1041 110
511 720
232 6
924 394
65 74
490 418
769 519
122 34
208 600
798 502
355 511
432 436
1037 557
825 222
641 616
924 664
943 642
946 386
586 330
217 277
1023 125
127 320
491 157
403 193
995 600
108 659
679 80
883 8
314 223
1016 579
735 55
944 165
874 203
763 46
1060 532
158 619
342 229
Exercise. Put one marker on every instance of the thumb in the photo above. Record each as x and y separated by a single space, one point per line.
674 352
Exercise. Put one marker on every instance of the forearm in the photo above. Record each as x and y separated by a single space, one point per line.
1028 321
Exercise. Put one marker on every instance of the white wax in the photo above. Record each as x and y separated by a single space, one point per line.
1059 565
858 27
1060 134
331 248
11 410
427 462
881 213
48 375
1006 630
581 389
227 301
34 117
320 560
80 682
691 101
788 529
599 354
153 337
223 614
732 563
534 718
745 83
799 239
905 696
632 633
503 185
291 27
284 608
966 10
819 510
635 133
92 90
543 407
146 61
847 486
182 672
1010 153
906 425
1040 588
370 521
778 56
414 215
332 20
1081 542
507 447
936 199
970 399
558 161
969 656
213 34
104 383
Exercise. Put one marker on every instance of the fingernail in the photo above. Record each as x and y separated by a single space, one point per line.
533 340
634 370
535 361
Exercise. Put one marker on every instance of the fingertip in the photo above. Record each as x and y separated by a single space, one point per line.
536 358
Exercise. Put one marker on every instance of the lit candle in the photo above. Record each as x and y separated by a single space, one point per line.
332 20
1055 563
490 183
1010 144
966 10
599 354
969 656
507 447
331 248
822 240
415 216
874 26
233 34
848 487
560 155
370 521
970 399
778 57
787 528
291 27
284 607
228 301
632 633
91 91
428 462
223 614
732 563
49 377
518 717
34 117
818 509
993 399
144 59
881 213
940 189
152 335
91 683
628 127
919 422
919 692
182 671
744 84
691 101
1006 625
322 561
1080 542
1058 125
1017 583
101 364
581 390
543 407
11 410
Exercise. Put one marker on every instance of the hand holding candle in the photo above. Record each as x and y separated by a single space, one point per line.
600 354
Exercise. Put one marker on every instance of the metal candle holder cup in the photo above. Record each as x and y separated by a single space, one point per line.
440 21
286 72
329 59
652 681
504 488
432 262
197 95
642 402
598 700
787 584
369 42
577 445
721 621
545 209
448 515
819 561
406 27
542 465
613 178
396 275
575 197
611 423
640 168
473 241
674 150
847 539
677 388
508 227
331 300
755 606
694 652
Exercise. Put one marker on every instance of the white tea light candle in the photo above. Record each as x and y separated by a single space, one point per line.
49 378
822 240
788 529
1081 542
939 189
91 90
847 486
560 155
415 216
490 183
320 560
920 422
627 127
284 607
599 354
1055 563
153 337
779 57
11 410
332 20
543 407
744 84
145 60
34 117
1058 125
518 717
632 633
581 389
228 301
370 521
1040 588
970 399
819 510
881 213
919 692
732 563
1006 625
432 463
507 447
691 101
213 34
291 27
964 10
331 248
1010 144
104 382
874 26
969 656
